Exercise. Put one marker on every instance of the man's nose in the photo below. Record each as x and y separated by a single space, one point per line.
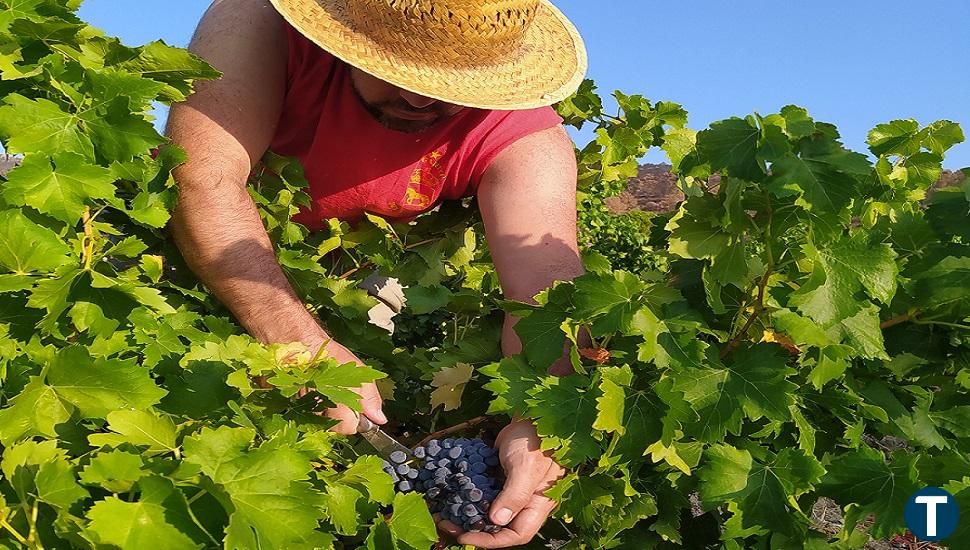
416 100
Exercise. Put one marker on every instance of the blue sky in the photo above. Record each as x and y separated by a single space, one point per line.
855 63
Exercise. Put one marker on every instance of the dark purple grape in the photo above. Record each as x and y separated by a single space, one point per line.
479 468
398 457
491 460
455 452
413 474
402 469
419 452
477 526
474 495
447 444
404 486
455 509
444 463
492 529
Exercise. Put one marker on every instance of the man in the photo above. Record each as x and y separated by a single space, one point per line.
391 105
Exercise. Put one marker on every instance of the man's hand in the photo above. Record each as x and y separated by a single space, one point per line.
522 507
370 398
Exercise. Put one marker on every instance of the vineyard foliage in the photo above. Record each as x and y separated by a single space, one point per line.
749 348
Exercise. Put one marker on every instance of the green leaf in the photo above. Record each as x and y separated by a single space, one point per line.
698 239
864 478
615 297
942 135
421 300
57 485
898 137
273 504
41 126
138 428
754 384
842 270
60 185
37 410
610 404
725 473
115 471
334 381
570 435
134 525
411 523
732 144
825 177
175 67
27 247
511 381
99 386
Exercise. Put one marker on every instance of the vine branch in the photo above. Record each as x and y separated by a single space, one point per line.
456 428
759 307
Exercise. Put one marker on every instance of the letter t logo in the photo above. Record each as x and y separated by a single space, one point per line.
931 502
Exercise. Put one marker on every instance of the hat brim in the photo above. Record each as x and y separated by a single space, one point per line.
548 66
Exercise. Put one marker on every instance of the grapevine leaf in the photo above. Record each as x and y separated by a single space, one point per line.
945 285
449 383
175 67
116 471
542 337
27 247
824 177
37 410
693 238
942 135
41 126
832 363
138 428
99 386
511 381
725 472
864 478
411 523
610 404
732 144
842 270
571 435
898 137
134 525
57 485
274 505
59 186
754 384
334 381
421 300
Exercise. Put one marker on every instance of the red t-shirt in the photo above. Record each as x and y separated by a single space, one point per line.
356 165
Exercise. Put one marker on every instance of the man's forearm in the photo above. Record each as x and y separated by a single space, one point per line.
220 234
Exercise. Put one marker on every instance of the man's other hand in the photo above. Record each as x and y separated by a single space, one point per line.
370 399
522 507
370 402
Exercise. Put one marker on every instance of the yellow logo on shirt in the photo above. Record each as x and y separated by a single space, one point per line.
425 183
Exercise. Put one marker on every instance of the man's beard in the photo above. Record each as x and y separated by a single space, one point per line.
382 112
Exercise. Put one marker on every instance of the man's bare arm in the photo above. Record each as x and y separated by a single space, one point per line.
528 203
225 128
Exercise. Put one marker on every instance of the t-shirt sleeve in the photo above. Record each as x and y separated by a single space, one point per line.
509 127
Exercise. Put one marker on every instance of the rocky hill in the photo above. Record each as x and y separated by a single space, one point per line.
8 163
655 190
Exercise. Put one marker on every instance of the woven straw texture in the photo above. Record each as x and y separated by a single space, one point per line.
488 54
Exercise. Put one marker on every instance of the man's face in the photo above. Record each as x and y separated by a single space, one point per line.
399 109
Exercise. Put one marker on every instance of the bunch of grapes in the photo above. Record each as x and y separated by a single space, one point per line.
454 476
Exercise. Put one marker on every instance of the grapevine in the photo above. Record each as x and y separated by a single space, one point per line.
751 350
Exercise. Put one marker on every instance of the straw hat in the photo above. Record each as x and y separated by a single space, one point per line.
489 54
